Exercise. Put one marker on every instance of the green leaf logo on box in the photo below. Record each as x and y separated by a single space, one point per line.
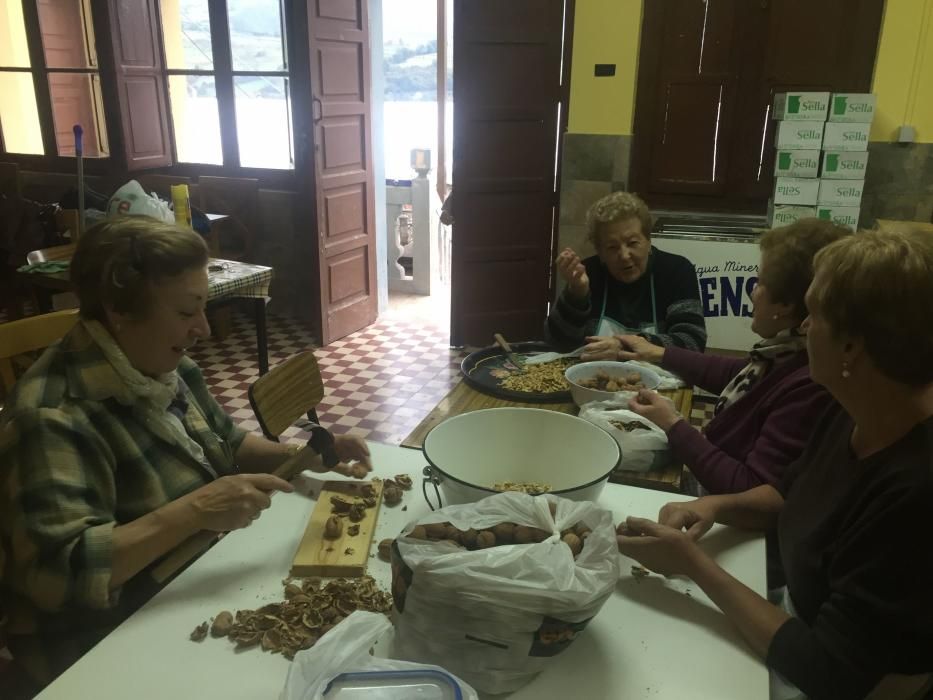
832 162
784 161
840 104
793 104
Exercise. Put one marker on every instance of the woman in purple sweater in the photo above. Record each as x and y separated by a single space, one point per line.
767 403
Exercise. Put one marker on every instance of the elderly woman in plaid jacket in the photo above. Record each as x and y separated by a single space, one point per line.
113 451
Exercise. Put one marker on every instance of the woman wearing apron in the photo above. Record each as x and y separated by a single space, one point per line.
851 516
629 286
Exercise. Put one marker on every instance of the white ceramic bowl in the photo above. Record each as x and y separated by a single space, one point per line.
469 453
587 370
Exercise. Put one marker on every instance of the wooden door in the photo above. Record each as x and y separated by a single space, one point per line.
708 71
507 92
74 96
140 85
338 34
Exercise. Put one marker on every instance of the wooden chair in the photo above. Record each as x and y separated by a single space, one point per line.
28 335
287 392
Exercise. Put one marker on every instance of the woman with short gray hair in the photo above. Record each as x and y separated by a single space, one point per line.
628 287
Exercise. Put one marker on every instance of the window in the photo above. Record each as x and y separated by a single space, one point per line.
228 82
49 78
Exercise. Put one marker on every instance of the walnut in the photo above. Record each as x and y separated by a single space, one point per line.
368 491
348 551
574 542
339 505
453 534
640 572
357 512
436 531
353 530
199 632
222 624
505 533
528 535
392 495
403 481
418 532
333 528
357 471
485 539
468 538
385 549
369 501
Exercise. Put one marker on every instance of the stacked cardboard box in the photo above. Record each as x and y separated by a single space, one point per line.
820 165
845 158
801 122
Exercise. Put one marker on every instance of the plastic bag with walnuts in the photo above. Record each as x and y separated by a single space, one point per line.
513 589
644 445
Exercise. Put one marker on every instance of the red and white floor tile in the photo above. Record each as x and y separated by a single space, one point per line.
379 382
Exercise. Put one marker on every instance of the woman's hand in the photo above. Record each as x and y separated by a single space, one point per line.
660 548
351 448
570 268
232 502
353 453
651 405
695 518
634 347
600 348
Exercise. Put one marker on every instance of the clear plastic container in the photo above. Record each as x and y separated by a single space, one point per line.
394 685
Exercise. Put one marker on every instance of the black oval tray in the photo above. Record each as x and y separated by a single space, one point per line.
476 368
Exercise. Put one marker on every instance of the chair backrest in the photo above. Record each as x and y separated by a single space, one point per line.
30 334
59 252
286 393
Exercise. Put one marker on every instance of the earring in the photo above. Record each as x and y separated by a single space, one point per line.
775 317
845 370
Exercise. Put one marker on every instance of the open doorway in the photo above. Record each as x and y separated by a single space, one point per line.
418 139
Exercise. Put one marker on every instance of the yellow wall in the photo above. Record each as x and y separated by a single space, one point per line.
607 31
904 71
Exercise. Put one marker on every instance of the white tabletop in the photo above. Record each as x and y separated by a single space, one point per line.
654 638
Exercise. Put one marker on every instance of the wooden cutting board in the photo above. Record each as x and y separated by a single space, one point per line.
348 554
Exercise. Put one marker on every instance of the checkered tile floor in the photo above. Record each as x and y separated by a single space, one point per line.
380 382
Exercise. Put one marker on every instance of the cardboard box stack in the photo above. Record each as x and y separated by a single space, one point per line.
822 154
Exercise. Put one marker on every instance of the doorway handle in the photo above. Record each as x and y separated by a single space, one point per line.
317 109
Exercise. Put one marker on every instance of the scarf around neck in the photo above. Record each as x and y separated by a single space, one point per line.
154 395
762 358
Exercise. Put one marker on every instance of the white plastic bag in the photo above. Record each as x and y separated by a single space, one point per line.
131 200
642 449
494 616
343 649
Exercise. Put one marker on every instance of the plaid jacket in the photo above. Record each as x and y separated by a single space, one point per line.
77 457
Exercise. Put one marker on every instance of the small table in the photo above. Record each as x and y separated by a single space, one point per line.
227 279
655 638
463 398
